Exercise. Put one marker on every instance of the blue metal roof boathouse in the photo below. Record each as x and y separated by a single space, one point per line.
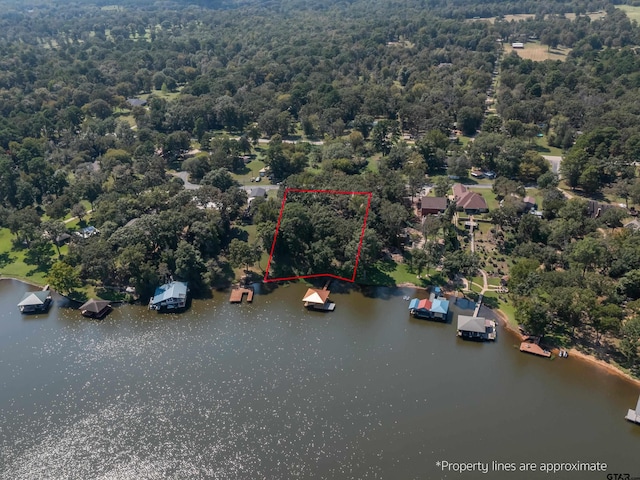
435 308
170 296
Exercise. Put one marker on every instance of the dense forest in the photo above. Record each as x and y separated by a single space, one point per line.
145 120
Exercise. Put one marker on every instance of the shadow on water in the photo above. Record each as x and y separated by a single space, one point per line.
386 293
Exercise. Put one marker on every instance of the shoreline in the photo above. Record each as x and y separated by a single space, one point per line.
26 282
573 353
601 364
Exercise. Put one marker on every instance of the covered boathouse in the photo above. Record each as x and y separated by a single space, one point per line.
476 328
435 308
97 309
634 415
35 302
316 299
170 296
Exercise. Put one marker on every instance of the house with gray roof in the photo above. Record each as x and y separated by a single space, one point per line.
35 302
476 328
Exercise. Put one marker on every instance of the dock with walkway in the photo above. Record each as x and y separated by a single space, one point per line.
476 312
237 295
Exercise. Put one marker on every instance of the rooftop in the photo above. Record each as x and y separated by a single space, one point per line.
257 192
316 296
472 324
94 306
35 298
169 290
472 201
136 102
433 203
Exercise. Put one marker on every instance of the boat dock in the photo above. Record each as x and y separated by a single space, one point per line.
237 295
634 415
318 300
534 349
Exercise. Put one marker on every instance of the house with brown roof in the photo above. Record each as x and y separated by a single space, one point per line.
468 201
433 205
530 202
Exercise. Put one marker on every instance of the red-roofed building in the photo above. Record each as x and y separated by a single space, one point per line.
433 205
470 202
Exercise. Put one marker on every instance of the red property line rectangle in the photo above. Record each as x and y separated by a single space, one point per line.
338 192
316 275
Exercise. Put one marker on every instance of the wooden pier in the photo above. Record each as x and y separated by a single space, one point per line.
534 349
238 293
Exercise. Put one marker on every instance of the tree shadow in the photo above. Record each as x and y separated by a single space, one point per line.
18 245
240 234
386 265
541 148
77 296
377 276
244 170
437 279
6 259
38 269
111 295
468 181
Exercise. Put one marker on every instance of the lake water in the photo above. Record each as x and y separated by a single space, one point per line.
271 391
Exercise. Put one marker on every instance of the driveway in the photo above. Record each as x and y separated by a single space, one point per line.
555 162
184 176
266 187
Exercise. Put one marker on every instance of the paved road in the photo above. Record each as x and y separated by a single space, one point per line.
69 220
266 187
193 186
555 162
264 141
185 178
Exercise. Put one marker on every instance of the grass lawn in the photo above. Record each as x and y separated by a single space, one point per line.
252 231
537 52
372 164
464 140
12 261
251 170
159 93
537 194
389 273
484 227
488 195
509 311
632 12
543 147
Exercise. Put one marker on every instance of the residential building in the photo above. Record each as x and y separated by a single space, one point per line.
476 328
433 205
170 296
468 201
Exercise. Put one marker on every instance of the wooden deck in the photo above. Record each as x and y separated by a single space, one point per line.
238 293
534 349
